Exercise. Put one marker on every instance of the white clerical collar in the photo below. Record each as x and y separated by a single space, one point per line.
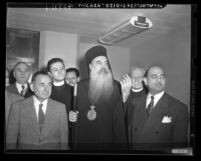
156 98
58 83
137 90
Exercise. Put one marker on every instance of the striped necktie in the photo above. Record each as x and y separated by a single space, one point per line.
22 91
150 106
41 116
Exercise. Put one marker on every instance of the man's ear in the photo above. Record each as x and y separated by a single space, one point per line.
145 80
14 74
90 66
31 87
50 74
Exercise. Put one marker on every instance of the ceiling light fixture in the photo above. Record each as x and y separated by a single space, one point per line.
133 26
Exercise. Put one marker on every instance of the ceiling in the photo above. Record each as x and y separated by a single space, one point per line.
92 23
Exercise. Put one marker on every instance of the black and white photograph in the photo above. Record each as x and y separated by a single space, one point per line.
100 78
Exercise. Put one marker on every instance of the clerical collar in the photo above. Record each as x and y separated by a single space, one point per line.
58 83
137 90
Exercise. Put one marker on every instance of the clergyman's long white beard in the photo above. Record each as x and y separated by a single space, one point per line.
100 85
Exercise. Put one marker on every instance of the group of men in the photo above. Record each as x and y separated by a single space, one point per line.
133 114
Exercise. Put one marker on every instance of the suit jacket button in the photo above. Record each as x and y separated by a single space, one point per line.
156 132
135 128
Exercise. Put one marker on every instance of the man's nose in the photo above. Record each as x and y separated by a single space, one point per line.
22 73
104 65
159 79
47 88
71 81
137 79
60 71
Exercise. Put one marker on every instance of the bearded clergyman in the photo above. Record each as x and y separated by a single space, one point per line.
99 118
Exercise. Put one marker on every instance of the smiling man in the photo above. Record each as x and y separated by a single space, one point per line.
61 91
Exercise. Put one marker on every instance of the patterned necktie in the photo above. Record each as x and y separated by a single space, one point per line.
150 106
22 91
41 116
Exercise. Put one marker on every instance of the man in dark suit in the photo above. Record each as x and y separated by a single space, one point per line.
21 74
38 122
160 122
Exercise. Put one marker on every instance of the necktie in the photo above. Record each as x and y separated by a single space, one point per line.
150 106
22 91
41 116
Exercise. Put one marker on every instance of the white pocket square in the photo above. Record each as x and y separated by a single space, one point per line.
166 119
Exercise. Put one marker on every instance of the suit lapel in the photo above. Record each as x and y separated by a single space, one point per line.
31 114
28 92
157 114
13 88
49 115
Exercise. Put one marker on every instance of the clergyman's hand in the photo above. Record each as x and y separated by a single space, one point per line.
73 116
125 87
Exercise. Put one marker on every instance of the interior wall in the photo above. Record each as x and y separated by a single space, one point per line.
118 58
57 44
173 52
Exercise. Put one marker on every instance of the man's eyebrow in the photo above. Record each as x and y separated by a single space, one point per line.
41 83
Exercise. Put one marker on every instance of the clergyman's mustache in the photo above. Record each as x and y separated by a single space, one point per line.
103 70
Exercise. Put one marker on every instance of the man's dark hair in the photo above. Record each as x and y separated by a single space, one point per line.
73 70
54 60
41 72
147 71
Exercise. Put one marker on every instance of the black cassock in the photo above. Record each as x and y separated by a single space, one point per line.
63 94
107 132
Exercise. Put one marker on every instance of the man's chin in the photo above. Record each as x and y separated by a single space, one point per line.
44 98
59 80
137 88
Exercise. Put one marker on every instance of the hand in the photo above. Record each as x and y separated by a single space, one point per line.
73 116
125 86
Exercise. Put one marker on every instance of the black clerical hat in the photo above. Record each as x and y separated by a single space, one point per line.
94 52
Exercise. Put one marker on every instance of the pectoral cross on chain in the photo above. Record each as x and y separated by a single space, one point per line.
92 107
